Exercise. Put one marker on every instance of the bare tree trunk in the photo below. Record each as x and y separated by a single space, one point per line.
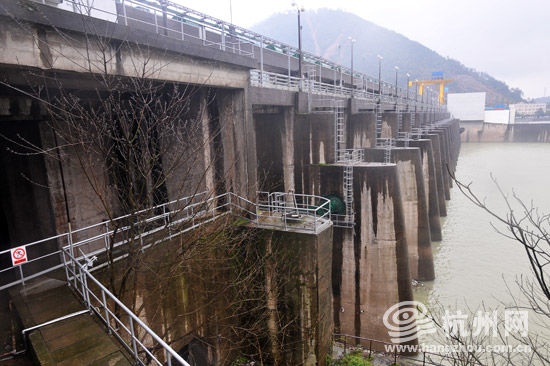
271 296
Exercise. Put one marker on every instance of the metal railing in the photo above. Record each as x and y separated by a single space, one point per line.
422 358
132 333
291 211
175 217
187 25
350 156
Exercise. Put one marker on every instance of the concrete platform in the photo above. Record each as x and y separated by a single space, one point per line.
80 340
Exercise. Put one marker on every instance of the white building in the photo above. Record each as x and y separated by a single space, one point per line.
529 108
467 106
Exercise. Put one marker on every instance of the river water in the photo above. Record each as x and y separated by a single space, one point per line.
475 266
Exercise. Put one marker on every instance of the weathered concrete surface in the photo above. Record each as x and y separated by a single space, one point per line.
80 340
439 171
172 60
370 267
361 130
414 195
494 132
196 293
430 184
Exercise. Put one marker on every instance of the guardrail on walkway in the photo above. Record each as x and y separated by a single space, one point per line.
176 216
133 334
173 20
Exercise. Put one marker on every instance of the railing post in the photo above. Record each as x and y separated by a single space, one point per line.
124 13
261 59
168 358
222 45
65 265
21 273
133 335
288 52
156 22
107 319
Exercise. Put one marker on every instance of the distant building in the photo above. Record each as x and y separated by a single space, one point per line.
471 107
529 108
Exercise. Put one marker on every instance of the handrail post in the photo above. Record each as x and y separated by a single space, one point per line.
124 13
261 60
107 320
133 335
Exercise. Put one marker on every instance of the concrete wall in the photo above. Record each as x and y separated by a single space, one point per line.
492 132
370 266
184 299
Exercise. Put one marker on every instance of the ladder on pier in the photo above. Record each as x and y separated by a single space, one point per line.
338 126
348 191
412 120
379 125
399 120
389 144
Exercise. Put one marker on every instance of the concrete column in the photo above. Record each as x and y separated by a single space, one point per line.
441 186
287 142
415 208
430 185
371 266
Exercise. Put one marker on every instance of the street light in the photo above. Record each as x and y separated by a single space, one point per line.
408 81
379 76
352 42
300 10
396 70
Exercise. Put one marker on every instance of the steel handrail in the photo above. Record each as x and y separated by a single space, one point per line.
82 279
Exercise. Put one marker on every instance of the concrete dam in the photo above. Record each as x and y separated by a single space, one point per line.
209 194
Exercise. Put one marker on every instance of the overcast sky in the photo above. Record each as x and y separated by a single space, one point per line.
509 39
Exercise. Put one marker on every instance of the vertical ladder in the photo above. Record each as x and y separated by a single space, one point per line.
387 150
348 190
412 120
378 125
338 128
399 120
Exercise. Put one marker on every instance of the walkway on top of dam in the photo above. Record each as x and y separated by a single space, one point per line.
174 27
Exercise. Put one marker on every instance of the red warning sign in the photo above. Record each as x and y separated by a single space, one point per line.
18 255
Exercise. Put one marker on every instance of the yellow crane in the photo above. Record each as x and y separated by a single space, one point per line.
436 78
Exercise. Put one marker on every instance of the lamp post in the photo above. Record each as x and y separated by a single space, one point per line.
352 42
408 81
396 70
379 76
300 10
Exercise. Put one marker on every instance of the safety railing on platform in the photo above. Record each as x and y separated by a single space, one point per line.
349 156
122 323
291 211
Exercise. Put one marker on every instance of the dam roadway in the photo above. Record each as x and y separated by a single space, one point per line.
380 152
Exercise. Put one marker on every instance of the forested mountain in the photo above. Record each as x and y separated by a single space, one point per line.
324 30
